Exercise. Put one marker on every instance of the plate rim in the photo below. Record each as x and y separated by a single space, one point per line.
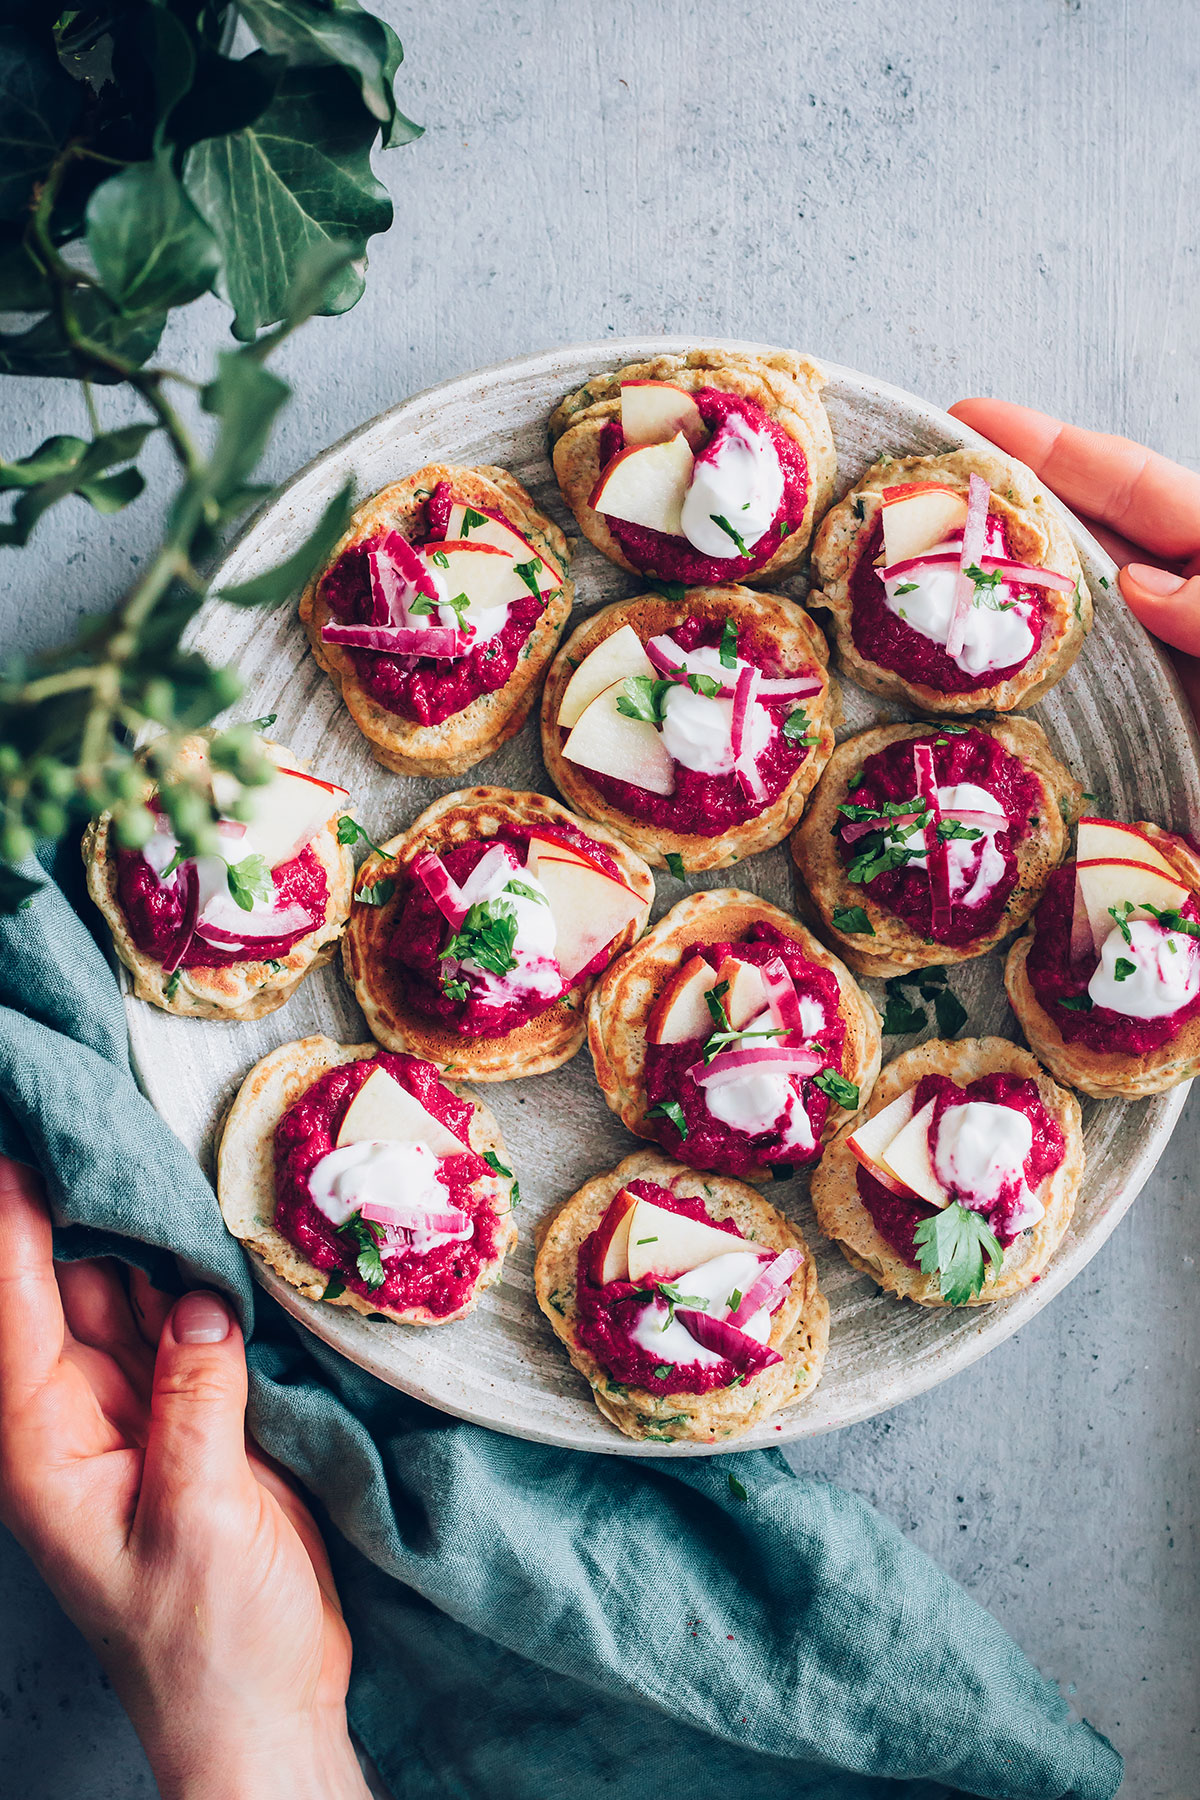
994 1324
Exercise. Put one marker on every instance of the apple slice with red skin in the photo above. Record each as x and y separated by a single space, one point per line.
384 1112
486 575
681 1012
558 850
616 659
918 516
1109 884
747 995
610 1248
286 812
499 535
589 910
908 1160
1105 840
610 743
666 1244
654 411
869 1143
646 485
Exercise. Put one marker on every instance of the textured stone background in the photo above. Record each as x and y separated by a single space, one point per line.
961 199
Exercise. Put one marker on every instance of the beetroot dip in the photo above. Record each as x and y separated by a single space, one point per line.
707 805
422 933
442 1280
154 911
1055 978
896 1217
882 638
958 756
710 1143
607 1315
668 558
424 689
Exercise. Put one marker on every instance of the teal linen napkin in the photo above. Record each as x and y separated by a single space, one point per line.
531 1623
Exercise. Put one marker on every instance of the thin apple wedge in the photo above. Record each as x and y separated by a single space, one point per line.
907 1158
747 994
589 909
608 742
286 812
647 485
500 535
654 411
383 1112
869 1143
610 1248
1113 886
681 1012
486 575
918 516
1105 840
616 659
665 1244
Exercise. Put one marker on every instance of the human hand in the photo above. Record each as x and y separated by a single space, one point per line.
1138 505
195 1572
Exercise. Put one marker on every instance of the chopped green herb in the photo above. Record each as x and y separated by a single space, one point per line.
841 1092
953 1246
456 990
675 864
949 829
1171 920
727 528
858 507
987 589
642 697
440 558
378 893
1104 581
486 937
334 1287
663 1371
877 857
950 1013
729 644
172 986
735 1300
671 1294
368 1236
526 893
498 1168
952 730
1172 946
670 590
265 723
649 1240
795 727
852 919
856 780
349 831
250 880
422 605
670 1109
1077 1003
714 999
736 1488
908 587
471 519
1120 913
1078 607
784 529
1123 968
900 1015
528 571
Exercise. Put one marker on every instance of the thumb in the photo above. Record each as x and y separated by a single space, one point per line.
195 1450
1166 603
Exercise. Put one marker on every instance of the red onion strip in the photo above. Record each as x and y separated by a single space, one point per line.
974 543
768 1288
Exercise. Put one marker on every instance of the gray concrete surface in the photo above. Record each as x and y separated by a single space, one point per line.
962 199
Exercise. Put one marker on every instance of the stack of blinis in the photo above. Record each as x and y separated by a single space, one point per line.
687 727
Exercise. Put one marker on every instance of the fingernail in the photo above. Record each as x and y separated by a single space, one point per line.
1155 581
200 1318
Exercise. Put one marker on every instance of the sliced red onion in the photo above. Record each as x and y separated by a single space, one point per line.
414 1218
716 1334
400 640
744 766
259 928
758 1059
1028 574
789 687
442 889
669 659
853 829
936 856
666 656
191 900
943 559
986 821
974 543
395 566
782 997
766 1290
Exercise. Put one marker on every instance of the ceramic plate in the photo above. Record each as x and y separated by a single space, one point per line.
1118 720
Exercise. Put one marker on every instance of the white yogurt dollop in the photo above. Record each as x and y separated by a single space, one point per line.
697 731
536 970
998 632
399 1175
713 1284
1165 975
980 1149
761 1100
738 479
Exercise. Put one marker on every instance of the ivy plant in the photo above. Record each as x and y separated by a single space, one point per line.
151 152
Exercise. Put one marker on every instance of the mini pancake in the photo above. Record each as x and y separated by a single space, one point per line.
786 386
246 1173
895 947
457 743
1036 535
1107 1075
242 990
624 997
543 1042
843 1217
801 650
799 1330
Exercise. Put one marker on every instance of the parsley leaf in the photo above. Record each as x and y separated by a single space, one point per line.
950 1013
486 937
729 644
675 864
1172 920
440 558
953 828
671 1294
250 880
879 858
670 590
953 1245
908 587
526 893
470 520
642 698
663 1371
852 918
421 605
670 1109
172 985
727 528
1077 1003
795 727
736 1488
840 1091
456 990
901 1015
1123 968
528 572
368 1236
349 831
377 894
334 1286
1120 913
498 1168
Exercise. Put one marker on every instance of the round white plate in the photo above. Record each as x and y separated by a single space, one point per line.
1118 720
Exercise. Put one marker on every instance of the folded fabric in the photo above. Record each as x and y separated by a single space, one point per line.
529 1622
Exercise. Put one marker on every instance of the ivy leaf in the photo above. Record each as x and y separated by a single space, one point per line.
950 1013
69 465
38 106
852 919
281 582
299 176
151 247
900 1015
42 349
953 1246
339 32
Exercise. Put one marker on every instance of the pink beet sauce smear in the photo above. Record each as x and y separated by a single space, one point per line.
957 757
442 1280
896 1218
154 911
607 1315
707 805
1055 978
710 1143
422 933
882 638
426 689
673 558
